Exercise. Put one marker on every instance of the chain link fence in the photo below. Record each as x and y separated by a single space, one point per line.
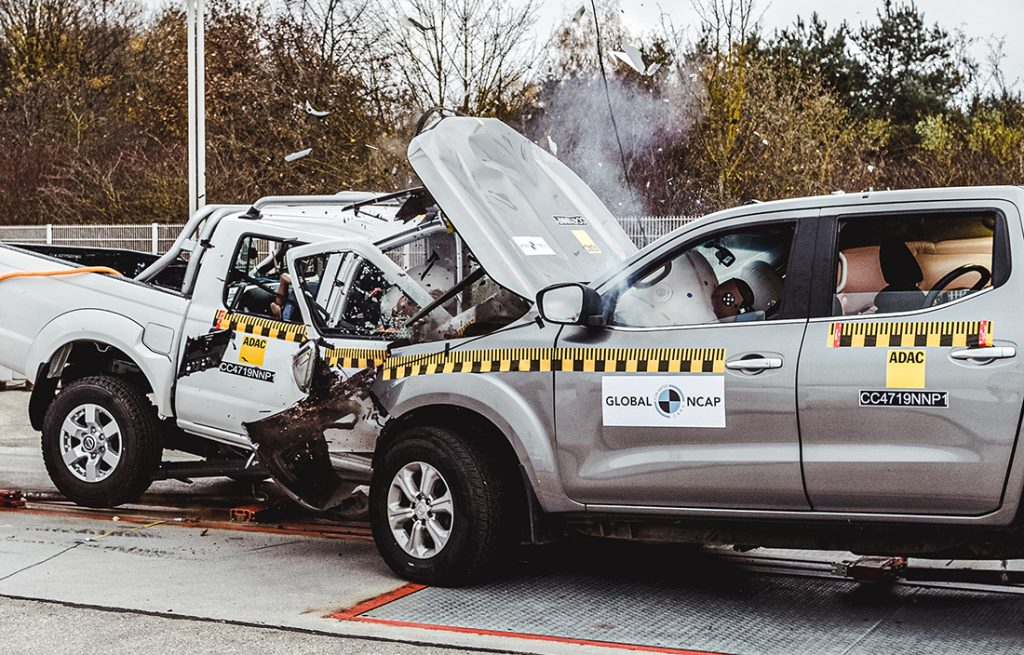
156 237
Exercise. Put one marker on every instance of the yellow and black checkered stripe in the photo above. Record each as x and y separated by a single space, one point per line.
910 335
355 357
260 327
598 360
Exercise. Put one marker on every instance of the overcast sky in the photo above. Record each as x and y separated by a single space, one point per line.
980 19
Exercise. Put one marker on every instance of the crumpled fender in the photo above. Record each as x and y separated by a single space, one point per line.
500 403
112 329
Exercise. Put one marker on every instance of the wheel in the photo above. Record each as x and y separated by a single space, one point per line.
101 442
437 509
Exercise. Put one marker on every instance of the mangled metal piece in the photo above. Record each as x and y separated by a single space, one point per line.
204 352
492 313
292 446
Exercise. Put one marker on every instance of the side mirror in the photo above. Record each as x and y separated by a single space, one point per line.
303 365
571 304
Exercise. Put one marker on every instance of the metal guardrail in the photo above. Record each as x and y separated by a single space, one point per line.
157 237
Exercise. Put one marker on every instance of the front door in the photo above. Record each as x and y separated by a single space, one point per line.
356 300
909 383
238 297
688 397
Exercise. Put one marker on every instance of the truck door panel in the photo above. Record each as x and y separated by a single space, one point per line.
688 399
898 413
355 298
253 380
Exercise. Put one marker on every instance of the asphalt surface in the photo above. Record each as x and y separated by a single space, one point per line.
130 585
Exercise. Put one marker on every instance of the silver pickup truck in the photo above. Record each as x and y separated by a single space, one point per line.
825 372
831 372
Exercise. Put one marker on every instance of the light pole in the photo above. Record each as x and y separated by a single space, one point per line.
195 17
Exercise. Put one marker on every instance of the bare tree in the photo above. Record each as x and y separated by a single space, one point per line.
471 55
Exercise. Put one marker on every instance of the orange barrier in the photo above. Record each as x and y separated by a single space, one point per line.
63 271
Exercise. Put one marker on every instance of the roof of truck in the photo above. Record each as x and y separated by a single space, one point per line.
318 222
864 198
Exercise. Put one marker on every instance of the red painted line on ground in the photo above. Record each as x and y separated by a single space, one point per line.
527 636
282 528
378 601
355 613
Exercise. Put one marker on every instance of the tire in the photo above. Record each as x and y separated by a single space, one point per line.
478 525
109 432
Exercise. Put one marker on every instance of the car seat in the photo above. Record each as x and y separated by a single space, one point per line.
902 273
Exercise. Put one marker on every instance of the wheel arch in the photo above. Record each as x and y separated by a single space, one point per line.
495 409
92 341
479 431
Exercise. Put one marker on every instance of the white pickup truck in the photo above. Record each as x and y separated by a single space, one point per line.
181 351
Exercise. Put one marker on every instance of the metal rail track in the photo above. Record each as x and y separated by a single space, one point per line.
895 571
202 511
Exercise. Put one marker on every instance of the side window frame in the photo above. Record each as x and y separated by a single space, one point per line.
369 255
826 252
242 238
796 291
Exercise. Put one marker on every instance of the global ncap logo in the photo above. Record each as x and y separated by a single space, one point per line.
669 401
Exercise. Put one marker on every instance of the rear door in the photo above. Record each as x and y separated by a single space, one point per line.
908 406
688 398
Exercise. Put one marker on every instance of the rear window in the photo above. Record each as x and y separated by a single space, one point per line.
887 264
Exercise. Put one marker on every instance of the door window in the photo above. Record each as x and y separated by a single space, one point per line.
258 282
733 276
904 263
352 296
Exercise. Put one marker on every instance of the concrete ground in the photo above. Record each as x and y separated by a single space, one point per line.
166 588
71 583
21 465
42 628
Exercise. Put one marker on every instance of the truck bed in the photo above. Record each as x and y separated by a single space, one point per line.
30 305
129 262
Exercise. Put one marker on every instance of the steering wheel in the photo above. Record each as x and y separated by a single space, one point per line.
945 280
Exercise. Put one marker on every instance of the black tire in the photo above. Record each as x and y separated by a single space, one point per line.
480 532
139 441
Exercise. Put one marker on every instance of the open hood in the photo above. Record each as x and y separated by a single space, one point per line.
530 221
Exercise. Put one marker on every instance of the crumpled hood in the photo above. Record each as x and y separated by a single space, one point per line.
530 221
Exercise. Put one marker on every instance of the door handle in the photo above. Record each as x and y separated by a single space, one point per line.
754 364
990 352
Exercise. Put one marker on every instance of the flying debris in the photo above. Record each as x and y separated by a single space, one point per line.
579 13
418 25
315 112
301 154
631 56
552 146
